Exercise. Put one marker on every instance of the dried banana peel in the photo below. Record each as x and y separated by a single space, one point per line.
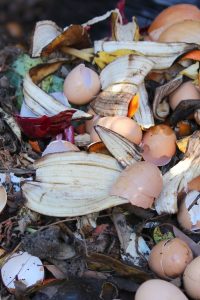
72 184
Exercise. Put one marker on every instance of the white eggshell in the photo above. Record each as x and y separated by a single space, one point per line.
23 267
59 146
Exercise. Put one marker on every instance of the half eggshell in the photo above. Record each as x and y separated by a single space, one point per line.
159 145
23 267
189 211
140 183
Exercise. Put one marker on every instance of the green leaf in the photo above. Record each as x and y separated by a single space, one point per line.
158 235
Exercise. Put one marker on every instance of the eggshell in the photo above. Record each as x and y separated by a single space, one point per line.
23 266
189 216
81 85
157 289
171 15
139 183
122 125
169 258
186 91
191 279
159 145
60 146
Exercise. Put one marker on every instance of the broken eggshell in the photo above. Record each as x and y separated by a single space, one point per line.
159 145
169 258
22 267
60 146
191 279
140 183
186 91
81 85
189 211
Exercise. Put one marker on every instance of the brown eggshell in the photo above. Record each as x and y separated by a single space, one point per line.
185 31
186 91
171 15
139 183
159 144
169 258
81 85
191 279
157 289
189 219
122 125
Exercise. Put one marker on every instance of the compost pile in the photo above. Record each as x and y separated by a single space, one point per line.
100 160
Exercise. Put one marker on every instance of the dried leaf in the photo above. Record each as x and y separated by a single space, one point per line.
101 262
75 36
57 273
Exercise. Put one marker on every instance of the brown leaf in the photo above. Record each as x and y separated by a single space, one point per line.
39 72
56 272
101 262
74 35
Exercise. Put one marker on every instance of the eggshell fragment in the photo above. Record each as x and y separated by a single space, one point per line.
140 183
191 279
122 125
169 258
189 211
159 145
81 85
157 289
60 146
186 91
23 267
3 198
